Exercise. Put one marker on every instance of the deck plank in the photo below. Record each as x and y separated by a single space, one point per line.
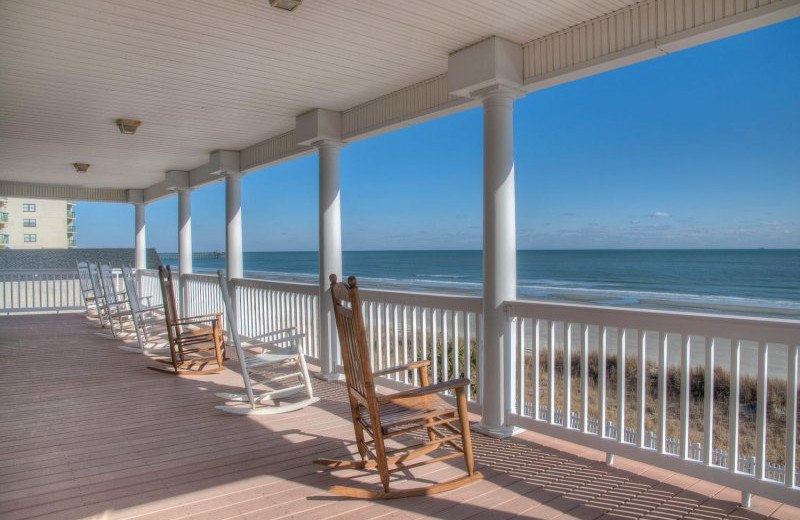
86 431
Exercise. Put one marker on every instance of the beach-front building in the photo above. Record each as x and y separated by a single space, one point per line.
36 223
127 103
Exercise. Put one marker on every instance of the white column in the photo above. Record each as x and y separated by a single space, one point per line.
499 256
330 253
141 241
185 231
233 229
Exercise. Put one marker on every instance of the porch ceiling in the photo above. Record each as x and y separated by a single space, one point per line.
204 75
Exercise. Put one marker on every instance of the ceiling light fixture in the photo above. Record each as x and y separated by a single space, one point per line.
128 126
80 167
286 5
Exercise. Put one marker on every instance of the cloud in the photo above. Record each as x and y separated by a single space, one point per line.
661 214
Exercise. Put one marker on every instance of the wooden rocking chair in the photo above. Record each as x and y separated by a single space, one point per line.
193 351
278 348
386 416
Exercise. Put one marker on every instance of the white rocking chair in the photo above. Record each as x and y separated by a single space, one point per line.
277 348
115 307
142 314
87 290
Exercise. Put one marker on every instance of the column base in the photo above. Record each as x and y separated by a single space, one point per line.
497 432
331 378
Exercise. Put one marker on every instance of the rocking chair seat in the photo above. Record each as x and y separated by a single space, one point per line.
397 415
270 357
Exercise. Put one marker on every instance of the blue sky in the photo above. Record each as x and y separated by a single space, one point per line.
698 149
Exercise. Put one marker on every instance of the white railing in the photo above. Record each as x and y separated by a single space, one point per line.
264 306
445 329
42 290
149 286
200 294
604 340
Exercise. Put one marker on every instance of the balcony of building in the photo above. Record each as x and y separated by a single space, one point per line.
586 467
223 91
89 432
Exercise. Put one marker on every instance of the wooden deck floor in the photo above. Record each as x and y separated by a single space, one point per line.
87 432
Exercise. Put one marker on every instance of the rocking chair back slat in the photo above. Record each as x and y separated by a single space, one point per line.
353 340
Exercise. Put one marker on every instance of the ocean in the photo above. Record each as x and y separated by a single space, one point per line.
762 282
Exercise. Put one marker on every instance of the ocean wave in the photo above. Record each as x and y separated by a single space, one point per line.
550 289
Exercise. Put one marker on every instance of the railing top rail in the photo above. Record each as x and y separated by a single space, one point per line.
420 299
260 283
768 330
200 277
37 271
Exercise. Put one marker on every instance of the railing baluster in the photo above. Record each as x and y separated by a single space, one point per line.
445 346
535 379
791 416
435 344
520 366
733 408
379 334
551 375
640 390
602 346
567 375
761 411
425 333
662 391
585 378
405 342
708 404
414 353
396 334
621 376
686 347
387 331
468 351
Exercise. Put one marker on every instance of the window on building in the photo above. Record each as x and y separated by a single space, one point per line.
29 238
29 208
29 222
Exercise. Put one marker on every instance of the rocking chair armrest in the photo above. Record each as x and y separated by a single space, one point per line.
453 384
202 318
399 368
274 342
287 330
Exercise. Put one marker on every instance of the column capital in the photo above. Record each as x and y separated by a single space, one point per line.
498 94
318 125
488 67
136 197
177 180
328 144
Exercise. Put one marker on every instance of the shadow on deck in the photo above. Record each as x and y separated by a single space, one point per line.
87 432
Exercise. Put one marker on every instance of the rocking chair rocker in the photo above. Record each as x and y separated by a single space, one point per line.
278 348
193 351
387 416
